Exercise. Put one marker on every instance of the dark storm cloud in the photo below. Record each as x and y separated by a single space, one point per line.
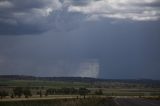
34 17
26 17
120 50
7 29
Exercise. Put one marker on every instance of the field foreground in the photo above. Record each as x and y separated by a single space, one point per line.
35 91
91 101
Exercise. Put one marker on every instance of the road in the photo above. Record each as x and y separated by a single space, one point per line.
135 102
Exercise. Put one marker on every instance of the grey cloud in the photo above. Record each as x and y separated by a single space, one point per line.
7 29
121 9
5 4
155 3
34 17
26 17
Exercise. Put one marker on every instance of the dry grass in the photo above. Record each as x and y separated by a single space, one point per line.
92 101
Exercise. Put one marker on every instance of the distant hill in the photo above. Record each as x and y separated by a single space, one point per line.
24 77
77 79
109 83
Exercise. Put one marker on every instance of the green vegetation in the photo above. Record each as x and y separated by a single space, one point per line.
20 91
83 91
27 92
99 92
39 83
28 88
3 94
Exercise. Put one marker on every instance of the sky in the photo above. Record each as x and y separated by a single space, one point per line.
111 39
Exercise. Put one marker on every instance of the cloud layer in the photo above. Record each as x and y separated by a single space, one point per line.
26 17
136 10
30 17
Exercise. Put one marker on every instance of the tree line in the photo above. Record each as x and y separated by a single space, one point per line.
18 92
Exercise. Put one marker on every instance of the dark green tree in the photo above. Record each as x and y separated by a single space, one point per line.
3 94
12 95
27 92
18 91
99 92
83 92
40 93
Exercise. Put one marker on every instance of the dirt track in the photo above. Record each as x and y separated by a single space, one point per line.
38 98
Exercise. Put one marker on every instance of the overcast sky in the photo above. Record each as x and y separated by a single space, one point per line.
109 39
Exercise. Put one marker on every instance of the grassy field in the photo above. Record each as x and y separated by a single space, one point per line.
40 83
36 85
